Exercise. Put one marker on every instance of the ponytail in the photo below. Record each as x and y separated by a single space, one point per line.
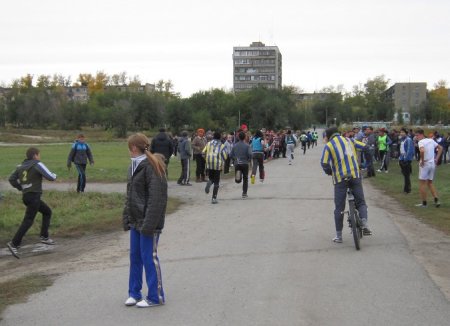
156 160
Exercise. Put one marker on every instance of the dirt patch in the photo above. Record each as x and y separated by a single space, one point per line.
431 247
69 255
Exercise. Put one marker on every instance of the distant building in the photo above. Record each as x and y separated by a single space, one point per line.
256 65
407 96
316 97
147 88
77 93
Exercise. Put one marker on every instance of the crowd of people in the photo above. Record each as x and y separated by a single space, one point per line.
345 157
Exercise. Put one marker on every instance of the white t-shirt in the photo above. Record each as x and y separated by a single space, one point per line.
429 146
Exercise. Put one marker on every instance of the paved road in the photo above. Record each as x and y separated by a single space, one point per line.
267 260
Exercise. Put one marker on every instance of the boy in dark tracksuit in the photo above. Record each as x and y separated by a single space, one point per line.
28 179
241 153
79 155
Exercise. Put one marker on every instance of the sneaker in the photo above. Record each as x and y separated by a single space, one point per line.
244 196
292 156
252 179
208 187
386 171
187 184
261 180
421 205
13 249
214 201
379 170
144 303
437 204
337 239
130 302
47 241
366 231
290 163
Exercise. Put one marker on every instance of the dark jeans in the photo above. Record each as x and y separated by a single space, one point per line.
243 168
34 204
214 178
304 147
340 195
258 161
406 171
81 169
185 171
201 162
226 166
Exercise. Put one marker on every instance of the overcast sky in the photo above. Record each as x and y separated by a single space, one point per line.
323 42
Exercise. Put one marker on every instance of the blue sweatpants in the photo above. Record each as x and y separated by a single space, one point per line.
144 256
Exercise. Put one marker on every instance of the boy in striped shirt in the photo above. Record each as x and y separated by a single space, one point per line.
215 155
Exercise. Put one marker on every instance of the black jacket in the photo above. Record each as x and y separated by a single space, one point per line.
162 144
146 202
28 176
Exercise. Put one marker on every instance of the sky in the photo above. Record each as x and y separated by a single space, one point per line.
323 42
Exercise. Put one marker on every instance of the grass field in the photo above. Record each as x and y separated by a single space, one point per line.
111 161
392 184
73 215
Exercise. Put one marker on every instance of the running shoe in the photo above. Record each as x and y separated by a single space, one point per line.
337 239
47 241
13 249
252 179
147 303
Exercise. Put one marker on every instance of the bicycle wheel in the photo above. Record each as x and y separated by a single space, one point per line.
355 228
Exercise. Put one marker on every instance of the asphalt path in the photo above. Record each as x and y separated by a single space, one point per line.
266 260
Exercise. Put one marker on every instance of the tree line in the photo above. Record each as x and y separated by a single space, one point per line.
45 104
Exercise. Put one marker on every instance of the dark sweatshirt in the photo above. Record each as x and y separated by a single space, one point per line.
241 153
28 176
162 144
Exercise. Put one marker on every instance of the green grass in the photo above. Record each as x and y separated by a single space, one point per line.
18 290
111 161
392 185
74 215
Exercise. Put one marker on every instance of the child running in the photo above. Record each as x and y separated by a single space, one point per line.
215 155
242 155
257 145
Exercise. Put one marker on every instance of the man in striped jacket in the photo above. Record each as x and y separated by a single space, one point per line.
215 155
339 160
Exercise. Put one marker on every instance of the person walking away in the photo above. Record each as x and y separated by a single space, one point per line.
185 151
241 153
303 140
369 155
383 147
144 216
215 155
198 144
276 145
228 147
79 154
427 167
257 144
291 141
405 158
163 145
27 178
339 160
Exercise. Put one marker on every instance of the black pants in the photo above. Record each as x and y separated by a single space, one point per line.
34 204
243 168
258 161
201 162
384 160
406 171
81 169
214 178
226 165
304 147
185 171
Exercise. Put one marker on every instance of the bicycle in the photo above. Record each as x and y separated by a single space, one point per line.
354 221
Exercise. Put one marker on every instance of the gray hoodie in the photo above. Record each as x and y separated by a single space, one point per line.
184 148
241 153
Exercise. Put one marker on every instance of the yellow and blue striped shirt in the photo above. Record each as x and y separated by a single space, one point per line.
215 154
339 157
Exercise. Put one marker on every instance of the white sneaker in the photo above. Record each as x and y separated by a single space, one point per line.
130 302
47 241
337 239
144 303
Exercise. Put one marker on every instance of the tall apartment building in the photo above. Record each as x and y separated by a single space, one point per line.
256 65
406 96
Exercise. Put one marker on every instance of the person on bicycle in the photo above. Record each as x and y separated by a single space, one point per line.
339 159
